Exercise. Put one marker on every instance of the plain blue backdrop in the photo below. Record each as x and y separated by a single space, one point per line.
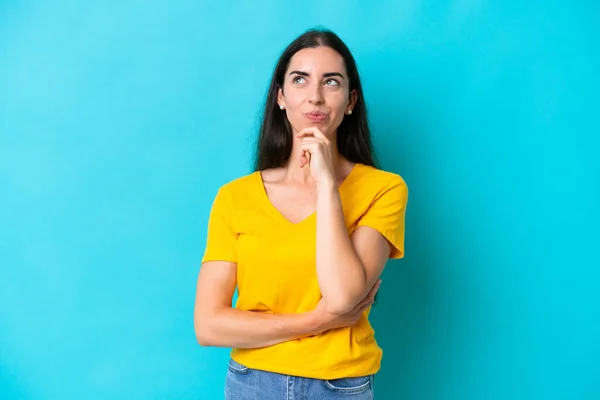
119 120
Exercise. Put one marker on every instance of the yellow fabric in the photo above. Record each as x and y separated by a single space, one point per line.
276 267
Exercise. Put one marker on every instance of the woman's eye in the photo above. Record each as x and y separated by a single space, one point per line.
332 82
295 80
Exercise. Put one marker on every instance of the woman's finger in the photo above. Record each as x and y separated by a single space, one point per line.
304 159
309 147
374 288
363 309
308 139
366 302
314 131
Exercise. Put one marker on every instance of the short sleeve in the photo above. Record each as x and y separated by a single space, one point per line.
387 214
221 238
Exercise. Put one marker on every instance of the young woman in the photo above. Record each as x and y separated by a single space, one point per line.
304 239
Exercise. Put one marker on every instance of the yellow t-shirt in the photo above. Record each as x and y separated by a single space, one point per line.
276 267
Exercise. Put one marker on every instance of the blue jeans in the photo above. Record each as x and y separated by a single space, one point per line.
243 383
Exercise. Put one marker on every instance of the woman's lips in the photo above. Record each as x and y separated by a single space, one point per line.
316 117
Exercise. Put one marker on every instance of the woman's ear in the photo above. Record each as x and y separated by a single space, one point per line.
280 98
353 99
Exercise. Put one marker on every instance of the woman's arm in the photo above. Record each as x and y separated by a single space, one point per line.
347 268
216 323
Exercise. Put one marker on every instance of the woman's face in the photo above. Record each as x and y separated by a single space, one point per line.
316 90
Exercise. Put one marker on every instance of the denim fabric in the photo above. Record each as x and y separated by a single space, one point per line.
243 383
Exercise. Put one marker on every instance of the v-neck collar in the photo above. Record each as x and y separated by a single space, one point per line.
278 213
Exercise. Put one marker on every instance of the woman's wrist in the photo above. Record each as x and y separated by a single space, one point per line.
326 186
314 323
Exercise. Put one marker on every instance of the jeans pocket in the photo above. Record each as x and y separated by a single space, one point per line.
349 385
237 368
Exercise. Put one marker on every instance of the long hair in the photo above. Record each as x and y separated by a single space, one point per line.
275 140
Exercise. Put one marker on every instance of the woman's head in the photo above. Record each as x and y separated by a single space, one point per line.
315 74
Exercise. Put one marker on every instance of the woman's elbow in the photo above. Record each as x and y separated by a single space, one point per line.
344 302
203 332
203 339
340 306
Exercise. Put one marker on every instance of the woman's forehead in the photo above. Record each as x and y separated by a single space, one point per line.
317 60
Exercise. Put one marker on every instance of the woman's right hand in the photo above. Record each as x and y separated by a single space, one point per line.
327 321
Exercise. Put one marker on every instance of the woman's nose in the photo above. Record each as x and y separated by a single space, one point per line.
316 95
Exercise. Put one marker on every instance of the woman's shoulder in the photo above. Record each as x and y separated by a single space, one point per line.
378 185
240 184
374 176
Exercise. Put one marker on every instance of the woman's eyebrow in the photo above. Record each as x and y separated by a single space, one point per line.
325 75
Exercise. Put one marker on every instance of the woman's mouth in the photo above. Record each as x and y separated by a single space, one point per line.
316 116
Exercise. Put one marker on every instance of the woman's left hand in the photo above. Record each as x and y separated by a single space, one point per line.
316 152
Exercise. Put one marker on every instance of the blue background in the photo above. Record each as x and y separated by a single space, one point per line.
119 120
